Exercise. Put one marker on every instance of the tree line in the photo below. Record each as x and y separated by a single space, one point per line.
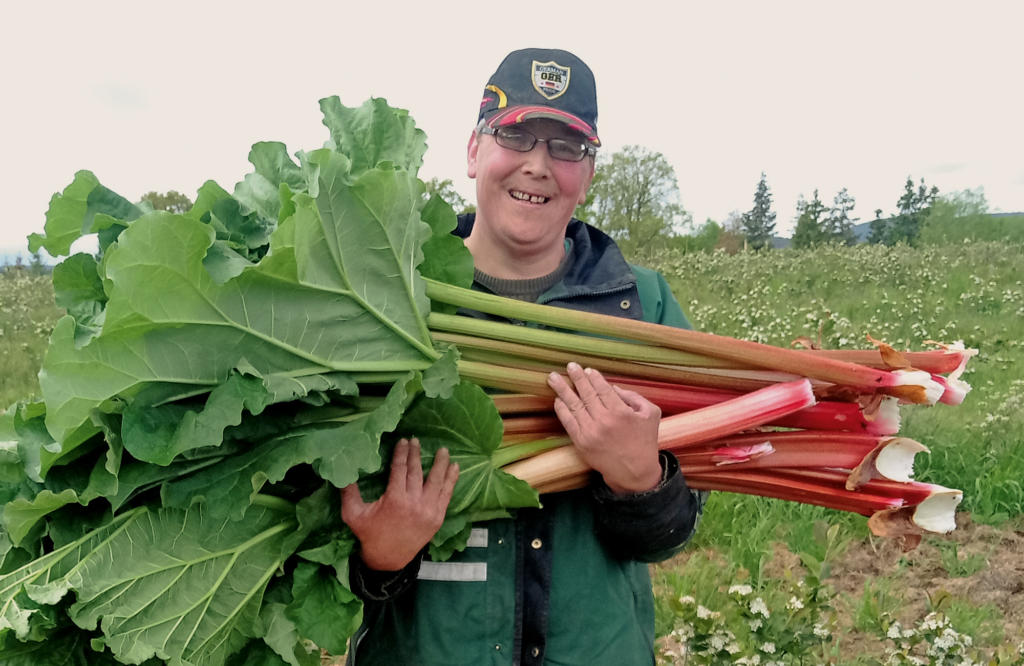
635 199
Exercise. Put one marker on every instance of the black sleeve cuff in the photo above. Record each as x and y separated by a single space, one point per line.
372 585
642 525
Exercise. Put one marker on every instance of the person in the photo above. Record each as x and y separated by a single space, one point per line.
567 583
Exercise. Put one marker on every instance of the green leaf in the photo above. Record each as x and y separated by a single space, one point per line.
185 589
324 609
79 290
446 257
209 193
469 426
18 608
67 647
20 515
158 433
282 637
71 212
359 306
374 133
245 230
223 262
260 191
137 477
339 452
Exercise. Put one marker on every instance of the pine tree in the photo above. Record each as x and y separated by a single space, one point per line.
759 221
809 229
839 225
913 207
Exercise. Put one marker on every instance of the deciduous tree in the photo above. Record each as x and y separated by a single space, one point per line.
446 190
634 198
172 201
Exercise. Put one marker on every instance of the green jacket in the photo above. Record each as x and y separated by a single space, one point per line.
565 584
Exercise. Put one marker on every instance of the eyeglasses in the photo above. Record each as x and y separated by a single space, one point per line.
519 140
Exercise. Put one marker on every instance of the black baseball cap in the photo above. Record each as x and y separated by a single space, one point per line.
542 83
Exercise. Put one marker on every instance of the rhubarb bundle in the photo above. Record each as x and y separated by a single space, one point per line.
220 373
827 439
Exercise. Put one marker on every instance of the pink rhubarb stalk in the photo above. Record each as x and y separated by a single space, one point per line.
700 425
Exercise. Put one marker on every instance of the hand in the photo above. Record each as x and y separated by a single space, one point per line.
614 430
392 530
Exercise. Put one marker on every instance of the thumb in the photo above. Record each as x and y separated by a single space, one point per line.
352 504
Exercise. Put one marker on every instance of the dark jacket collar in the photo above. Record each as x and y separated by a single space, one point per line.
597 266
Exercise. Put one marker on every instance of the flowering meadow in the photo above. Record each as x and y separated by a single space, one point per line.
770 582
27 313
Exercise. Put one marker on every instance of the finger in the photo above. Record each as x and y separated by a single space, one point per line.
435 479
568 419
565 393
398 479
352 504
414 467
605 393
584 387
448 487
637 402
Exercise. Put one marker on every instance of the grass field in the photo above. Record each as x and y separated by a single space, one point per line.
774 582
905 296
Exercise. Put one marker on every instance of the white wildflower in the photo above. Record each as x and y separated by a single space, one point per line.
768 648
821 631
704 613
894 631
718 642
687 600
794 604
742 590
732 648
755 624
758 607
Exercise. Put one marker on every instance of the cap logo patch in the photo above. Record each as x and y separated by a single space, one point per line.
550 79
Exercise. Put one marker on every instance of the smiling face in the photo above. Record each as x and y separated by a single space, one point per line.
524 200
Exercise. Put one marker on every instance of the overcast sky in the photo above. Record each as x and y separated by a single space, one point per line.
161 96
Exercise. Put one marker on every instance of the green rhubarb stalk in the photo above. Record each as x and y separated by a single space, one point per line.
502 352
570 342
506 455
911 386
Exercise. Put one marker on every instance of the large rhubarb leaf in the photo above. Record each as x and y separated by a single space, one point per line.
357 303
175 585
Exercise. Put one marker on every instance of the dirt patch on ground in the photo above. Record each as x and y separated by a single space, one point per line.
977 564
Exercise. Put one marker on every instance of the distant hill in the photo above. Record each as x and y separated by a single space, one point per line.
9 256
